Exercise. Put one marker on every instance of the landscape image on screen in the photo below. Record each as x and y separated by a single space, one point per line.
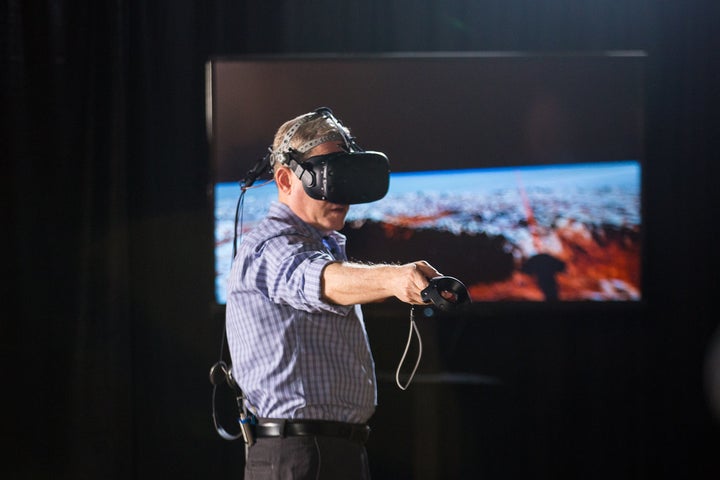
554 232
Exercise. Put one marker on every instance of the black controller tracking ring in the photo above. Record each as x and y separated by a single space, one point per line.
458 293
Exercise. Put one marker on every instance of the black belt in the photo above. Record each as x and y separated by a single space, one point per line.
357 432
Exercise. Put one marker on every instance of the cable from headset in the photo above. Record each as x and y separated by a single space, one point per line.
239 211
413 328
221 372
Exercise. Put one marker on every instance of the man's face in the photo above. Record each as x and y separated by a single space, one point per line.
324 216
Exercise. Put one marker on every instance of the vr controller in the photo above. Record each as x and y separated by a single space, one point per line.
446 293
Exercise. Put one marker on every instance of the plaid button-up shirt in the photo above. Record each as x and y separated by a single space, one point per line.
295 355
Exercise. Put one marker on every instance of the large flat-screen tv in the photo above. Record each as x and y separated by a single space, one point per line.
519 174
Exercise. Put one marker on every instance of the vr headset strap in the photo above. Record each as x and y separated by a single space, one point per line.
300 170
305 147
339 134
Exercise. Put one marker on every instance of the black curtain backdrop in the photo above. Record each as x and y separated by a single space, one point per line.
109 327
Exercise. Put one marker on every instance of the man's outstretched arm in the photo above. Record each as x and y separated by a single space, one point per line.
346 283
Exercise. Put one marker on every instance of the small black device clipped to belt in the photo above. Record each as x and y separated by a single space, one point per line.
221 373
356 432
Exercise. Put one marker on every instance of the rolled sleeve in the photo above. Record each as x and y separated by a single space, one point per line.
313 288
295 277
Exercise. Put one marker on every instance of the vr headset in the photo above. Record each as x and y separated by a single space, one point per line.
345 177
348 177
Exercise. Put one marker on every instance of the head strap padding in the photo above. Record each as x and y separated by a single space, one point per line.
335 135
281 155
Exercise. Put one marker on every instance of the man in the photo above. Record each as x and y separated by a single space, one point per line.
297 339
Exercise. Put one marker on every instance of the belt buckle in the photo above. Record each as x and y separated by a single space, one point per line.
274 427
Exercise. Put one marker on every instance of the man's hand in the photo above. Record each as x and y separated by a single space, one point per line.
411 279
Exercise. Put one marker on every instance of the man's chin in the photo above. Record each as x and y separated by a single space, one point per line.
336 222
337 225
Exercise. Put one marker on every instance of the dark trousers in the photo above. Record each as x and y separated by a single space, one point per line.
306 457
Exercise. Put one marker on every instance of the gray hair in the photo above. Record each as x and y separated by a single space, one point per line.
302 134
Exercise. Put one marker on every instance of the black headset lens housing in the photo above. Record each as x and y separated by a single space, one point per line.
345 177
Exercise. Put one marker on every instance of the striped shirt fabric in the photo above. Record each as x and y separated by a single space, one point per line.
294 355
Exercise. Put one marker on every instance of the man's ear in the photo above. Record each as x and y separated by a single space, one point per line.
283 179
